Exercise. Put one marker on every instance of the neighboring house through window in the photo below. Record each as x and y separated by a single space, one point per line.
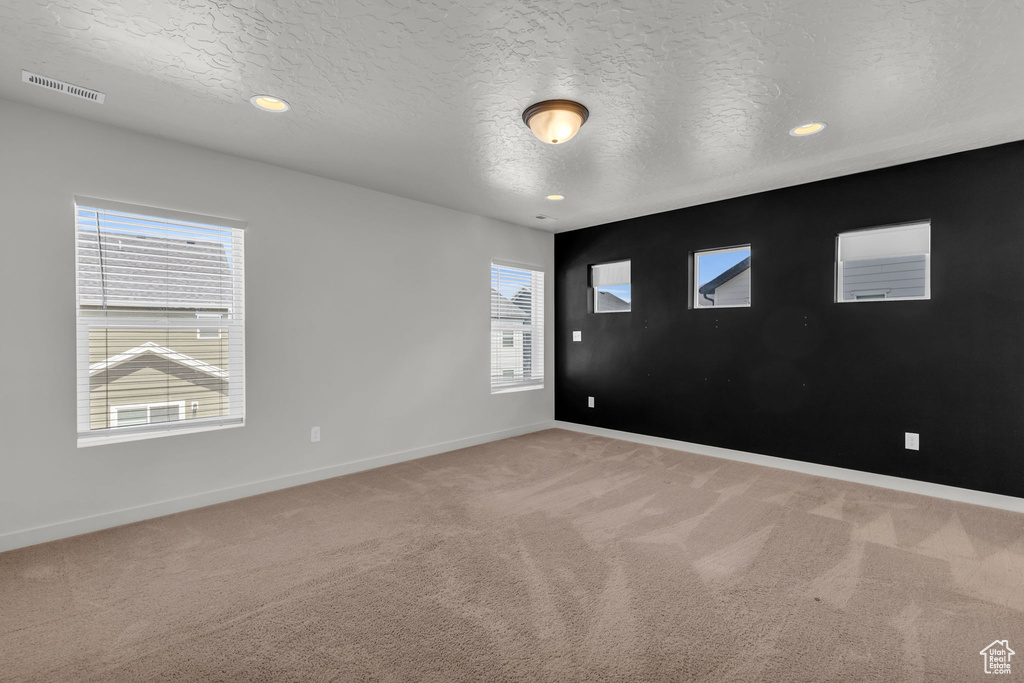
517 328
160 321
209 332
721 278
126 416
612 287
884 264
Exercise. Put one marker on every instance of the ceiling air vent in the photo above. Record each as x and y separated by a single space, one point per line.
61 86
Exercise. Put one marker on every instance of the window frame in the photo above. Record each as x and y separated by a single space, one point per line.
536 329
235 417
837 279
595 289
695 279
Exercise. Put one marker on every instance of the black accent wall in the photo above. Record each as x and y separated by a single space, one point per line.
797 375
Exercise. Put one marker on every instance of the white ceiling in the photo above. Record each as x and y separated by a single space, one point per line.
690 101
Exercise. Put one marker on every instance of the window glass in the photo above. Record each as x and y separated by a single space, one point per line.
883 264
145 277
612 287
721 277
132 416
517 328
164 413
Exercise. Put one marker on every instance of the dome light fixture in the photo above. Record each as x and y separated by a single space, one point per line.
805 129
556 197
555 121
270 103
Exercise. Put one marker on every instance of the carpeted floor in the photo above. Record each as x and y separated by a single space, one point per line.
554 556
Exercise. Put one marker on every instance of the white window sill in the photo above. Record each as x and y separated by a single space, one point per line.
89 441
509 390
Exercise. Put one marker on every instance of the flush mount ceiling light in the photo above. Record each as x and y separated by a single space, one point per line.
555 121
805 129
556 197
270 103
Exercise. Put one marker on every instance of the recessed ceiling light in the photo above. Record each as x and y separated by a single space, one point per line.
555 121
270 103
807 129
556 197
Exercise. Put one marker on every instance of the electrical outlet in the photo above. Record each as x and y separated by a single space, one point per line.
577 335
590 401
314 434
911 441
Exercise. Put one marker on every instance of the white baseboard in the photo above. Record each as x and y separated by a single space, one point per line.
105 520
82 525
992 500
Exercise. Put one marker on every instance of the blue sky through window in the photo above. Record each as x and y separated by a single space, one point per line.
508 291
621 291
509 281
713 265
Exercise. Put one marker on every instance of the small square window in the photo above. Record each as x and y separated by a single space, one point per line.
721 278
884 264
611 285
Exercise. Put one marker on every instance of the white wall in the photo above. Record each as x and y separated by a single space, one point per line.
339 279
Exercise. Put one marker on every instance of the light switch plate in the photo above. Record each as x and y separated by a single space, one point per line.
577 335
590 401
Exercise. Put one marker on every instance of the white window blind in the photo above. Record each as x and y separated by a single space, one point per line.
611 274
160 321
903 240
517 312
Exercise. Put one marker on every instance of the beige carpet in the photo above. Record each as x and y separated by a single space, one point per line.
549 557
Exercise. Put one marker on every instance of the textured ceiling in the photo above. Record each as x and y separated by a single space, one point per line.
690 101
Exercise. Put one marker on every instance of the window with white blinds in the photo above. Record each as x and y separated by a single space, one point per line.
611 285
161 345
517 328
884 264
